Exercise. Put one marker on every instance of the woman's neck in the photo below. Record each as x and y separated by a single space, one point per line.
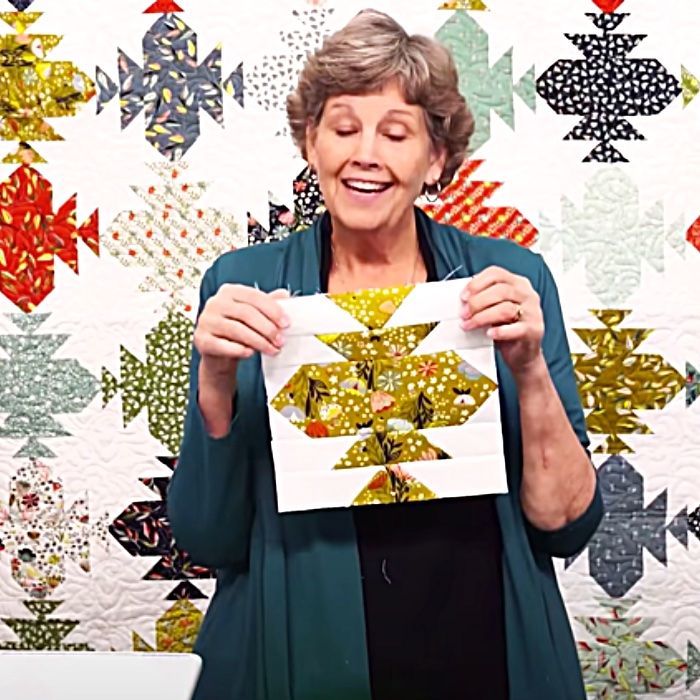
373 259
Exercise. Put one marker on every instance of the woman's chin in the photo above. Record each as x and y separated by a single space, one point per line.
368 218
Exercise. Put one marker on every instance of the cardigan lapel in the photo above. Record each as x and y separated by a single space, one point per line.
299 267
451 261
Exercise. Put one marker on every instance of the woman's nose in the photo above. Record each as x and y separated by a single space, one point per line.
366 156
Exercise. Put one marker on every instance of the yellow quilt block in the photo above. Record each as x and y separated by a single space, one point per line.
380 397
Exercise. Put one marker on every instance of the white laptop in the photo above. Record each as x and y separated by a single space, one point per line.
95 675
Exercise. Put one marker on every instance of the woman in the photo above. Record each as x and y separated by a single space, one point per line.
448 599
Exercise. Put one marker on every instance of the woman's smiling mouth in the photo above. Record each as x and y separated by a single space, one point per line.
366 186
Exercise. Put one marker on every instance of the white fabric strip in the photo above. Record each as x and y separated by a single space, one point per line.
468 476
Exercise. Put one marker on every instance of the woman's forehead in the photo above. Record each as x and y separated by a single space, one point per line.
389 101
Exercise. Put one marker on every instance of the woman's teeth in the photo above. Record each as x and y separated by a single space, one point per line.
362 186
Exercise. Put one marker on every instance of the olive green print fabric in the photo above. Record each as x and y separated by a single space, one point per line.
374 398
372 307
393 485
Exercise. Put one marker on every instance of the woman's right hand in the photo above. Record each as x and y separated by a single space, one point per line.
235 323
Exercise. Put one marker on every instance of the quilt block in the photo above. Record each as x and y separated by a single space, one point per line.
380 397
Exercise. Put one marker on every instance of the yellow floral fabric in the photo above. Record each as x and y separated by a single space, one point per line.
616 382
383 393
393 485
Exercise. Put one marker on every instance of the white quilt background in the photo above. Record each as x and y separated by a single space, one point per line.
614 233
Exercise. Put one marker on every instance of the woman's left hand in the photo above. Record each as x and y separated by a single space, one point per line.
508 306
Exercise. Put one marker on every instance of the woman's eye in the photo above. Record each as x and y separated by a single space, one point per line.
396 137
344 132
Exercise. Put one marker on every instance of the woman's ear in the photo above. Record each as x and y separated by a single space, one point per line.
437 165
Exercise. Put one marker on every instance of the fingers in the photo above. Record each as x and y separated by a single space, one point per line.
239 333
265 303
220 348
487 278
498 293
239 321
279 294
249 316
512 331
497 297
504 313
496 276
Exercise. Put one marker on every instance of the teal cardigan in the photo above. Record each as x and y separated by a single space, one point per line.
287 619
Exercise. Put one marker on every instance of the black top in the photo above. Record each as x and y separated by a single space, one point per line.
433 586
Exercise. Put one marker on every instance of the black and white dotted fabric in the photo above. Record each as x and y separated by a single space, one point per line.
606 87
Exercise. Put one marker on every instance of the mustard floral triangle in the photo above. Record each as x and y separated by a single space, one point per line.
391 447
393 485
379 343
372 307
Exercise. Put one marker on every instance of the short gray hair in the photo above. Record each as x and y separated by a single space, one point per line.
371 51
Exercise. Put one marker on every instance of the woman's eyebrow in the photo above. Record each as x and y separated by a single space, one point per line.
341 106
399 112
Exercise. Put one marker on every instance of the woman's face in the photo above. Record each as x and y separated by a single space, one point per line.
372 154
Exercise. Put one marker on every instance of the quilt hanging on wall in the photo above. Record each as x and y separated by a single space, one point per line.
140 140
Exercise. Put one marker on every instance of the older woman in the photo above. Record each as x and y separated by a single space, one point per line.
454 598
